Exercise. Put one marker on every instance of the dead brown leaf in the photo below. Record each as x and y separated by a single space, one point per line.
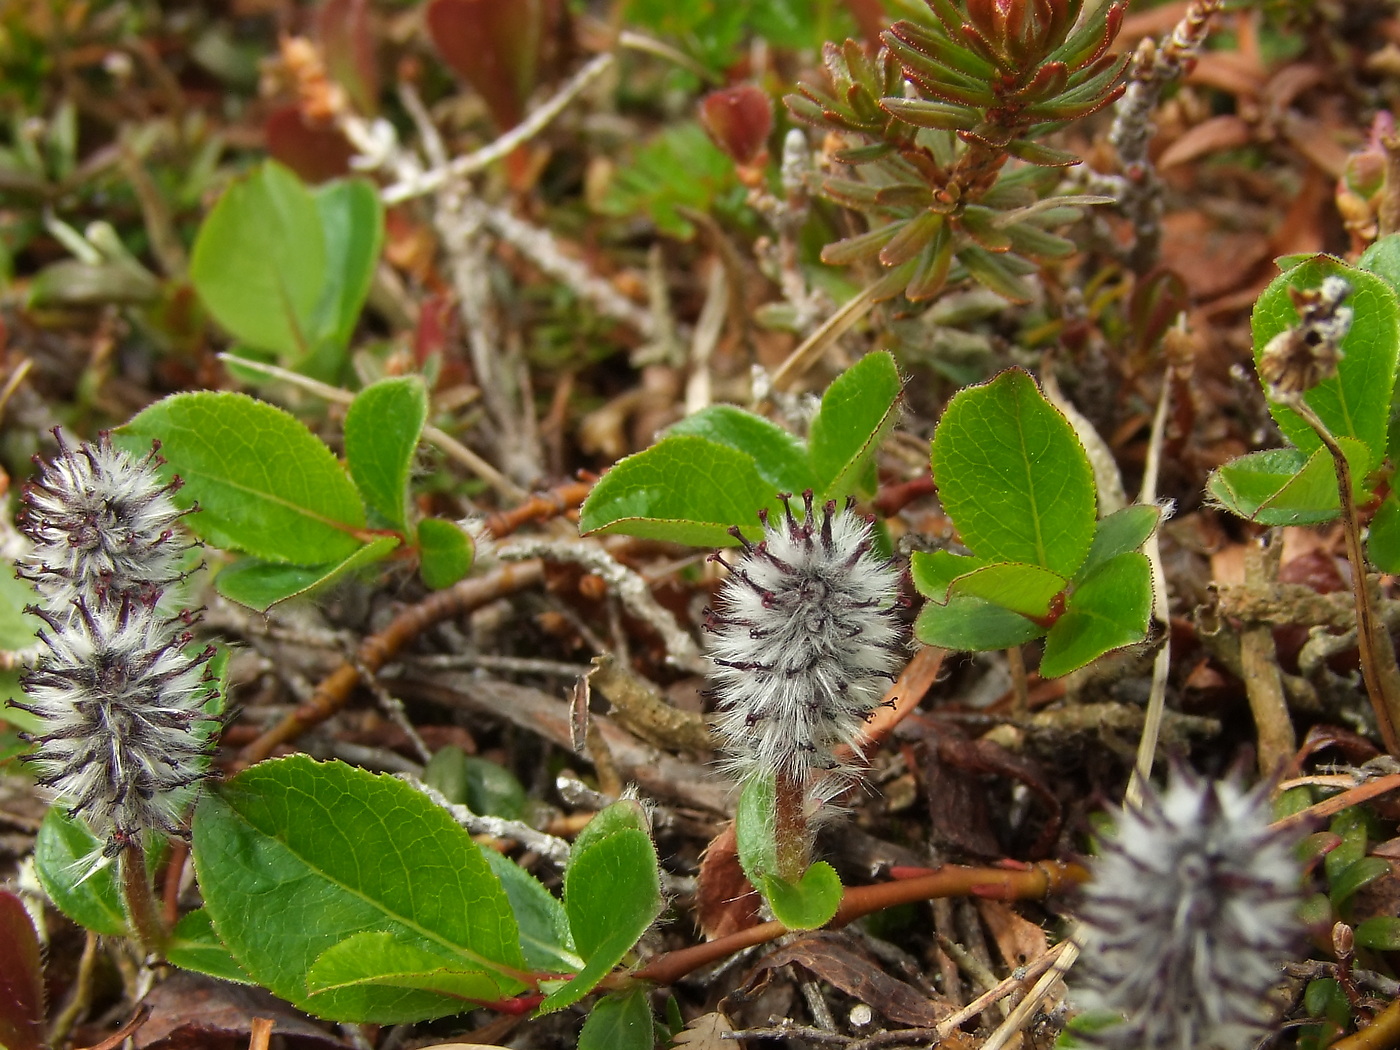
707 1032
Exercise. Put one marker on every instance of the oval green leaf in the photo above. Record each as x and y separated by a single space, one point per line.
1383 537
779 457
970 623
808 904
382 426
858 409
194 945
65 853
261 585
445 551
1013 476
295 856
1108 611
683 489
265 484
352 228
1354 403
619 1022
1287 486
1024 589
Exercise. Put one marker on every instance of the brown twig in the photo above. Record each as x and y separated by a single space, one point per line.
953 880
147 929
374 652
539 507
1352 797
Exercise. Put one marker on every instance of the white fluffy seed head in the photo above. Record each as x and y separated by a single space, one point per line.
102 524
804 642
125 734
1191 913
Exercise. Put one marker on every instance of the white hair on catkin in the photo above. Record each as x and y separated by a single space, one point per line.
1190 914
804 642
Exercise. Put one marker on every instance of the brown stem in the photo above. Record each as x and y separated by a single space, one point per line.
791 838
146 927
1373 645
1031 883
334 690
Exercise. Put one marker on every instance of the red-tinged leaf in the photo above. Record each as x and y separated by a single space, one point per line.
317 154
346 34
861 246
739 120
834 958
931 271
495 46
21 978
912 238
726 901
1157 300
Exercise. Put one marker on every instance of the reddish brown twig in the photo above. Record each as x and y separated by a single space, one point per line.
539 507
1035 882
1352 797
375 651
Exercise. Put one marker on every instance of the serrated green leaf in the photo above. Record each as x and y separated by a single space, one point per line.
374 959
261 585
65 855
753 828
265 484
808 904
1024 589
858 409
352 228
1287 486
1383 537
544 927
1382 258
683 489
779 457
933 572
294 856
259 261
1381 933
619 1022
1355 403
1108 611
971 623
382 426
1122 531
194 945
624 815
446 552
612 893
1013 476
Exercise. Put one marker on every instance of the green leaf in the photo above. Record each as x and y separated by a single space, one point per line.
933 572
381 436
65 855
810 903
194 945
265 484
612 893
446 552
682 489
1109 610
259 262
295 856
261 585
374 959
1355 403
1383 537
779 457
619 1022
971 623
624 815
1122 531
1354 876
858 409
545 940
1013 477
1024 589
352 227
1382 258
1381 933
17 628
1286 486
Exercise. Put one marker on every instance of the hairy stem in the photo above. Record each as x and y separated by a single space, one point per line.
1373 644
791 838
147 929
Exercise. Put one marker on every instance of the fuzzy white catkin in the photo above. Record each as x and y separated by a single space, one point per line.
123 733
804 642
99 519
1190 914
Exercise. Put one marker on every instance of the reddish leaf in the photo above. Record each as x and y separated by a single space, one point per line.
738 119
346 36
21 978
314 153
725 901
495 46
